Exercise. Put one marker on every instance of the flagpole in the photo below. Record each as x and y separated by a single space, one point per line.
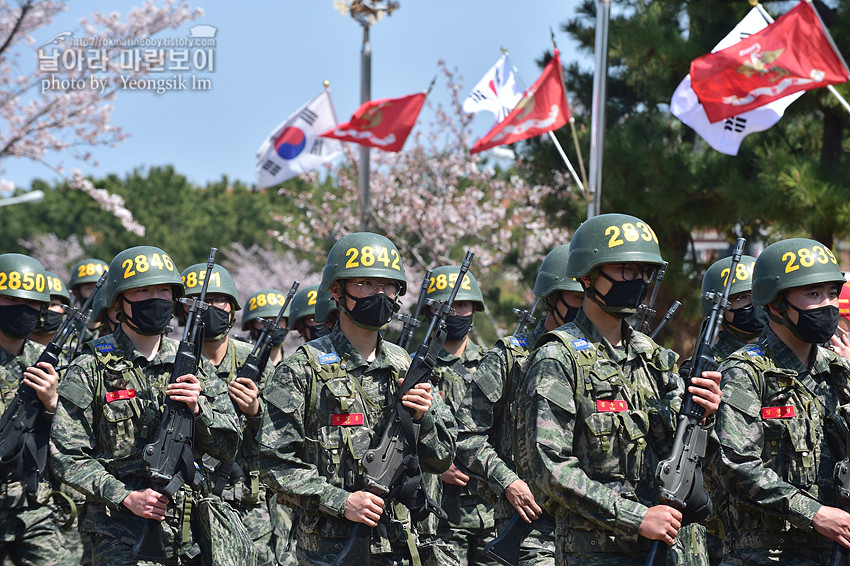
365 96
597 128
573 131
569 165
769 19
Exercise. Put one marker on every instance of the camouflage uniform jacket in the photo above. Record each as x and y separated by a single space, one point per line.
110 404
726 344
451 378
782 427
249 491
324 407
13 493
595 420
487 415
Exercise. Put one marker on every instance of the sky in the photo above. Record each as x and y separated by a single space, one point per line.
273 56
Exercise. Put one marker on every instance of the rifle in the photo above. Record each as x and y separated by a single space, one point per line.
646 311
504 549
23 443
228 471
841 554
169 458
525 317
391 469
667 316
680 476
411 323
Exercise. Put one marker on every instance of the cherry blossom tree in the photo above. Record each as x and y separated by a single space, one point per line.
48 121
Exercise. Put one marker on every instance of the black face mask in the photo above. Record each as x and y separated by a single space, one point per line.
571 313
216 323
314 332
624 297
51 321
748 320
371 313
18 321
815 326
457 327
149 317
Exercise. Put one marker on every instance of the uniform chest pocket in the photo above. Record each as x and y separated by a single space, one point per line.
616 443
340 449
791 447
120 428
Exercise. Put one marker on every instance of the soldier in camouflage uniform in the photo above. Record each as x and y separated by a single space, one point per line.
29 532
236 481
110 407
742 323
266 304
84 276
470 523
599 407
784 421
52 319
302 314
328 403
326 309
487 415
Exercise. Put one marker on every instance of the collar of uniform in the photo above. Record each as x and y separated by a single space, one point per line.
342 346
781 354
29 354
166 353
726 344
592 334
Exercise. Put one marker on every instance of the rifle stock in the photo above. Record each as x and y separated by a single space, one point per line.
504 549
169 458
385 467
23 443
680 476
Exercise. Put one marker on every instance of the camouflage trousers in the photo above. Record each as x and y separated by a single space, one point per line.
469 544
786 557
283 539
434 551
31 536
257 522
538 547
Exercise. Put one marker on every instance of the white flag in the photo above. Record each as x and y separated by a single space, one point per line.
726 136
295 147
498 91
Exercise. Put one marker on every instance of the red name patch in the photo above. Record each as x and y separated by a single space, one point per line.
777 412
348 419
610 406
118 395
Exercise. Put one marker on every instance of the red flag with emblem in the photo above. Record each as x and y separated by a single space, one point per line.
792 54
542 108
384 124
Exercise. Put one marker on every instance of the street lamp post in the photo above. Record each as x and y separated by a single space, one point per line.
597 127
29 196
366 12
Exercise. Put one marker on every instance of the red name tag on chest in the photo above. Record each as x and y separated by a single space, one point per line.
611 406
118 395
348 419
777 412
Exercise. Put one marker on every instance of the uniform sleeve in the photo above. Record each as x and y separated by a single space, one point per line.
547 417
475 421
73 434
437 437
216 430
282 437
741 435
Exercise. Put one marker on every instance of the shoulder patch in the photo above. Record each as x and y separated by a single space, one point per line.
105 347
581 344
518 341
330 358
755 351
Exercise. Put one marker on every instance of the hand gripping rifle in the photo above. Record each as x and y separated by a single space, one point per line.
169 458
411 322
679 477
228 471
646 312
526 317
841 554
391 469
23 440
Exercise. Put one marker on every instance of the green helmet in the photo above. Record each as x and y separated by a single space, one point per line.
221 282
715 277
795 262
443 280
141 266
611 238
553 274
325 305
98 305
303 304
363 254
87 270
264 304
23 277
57 287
